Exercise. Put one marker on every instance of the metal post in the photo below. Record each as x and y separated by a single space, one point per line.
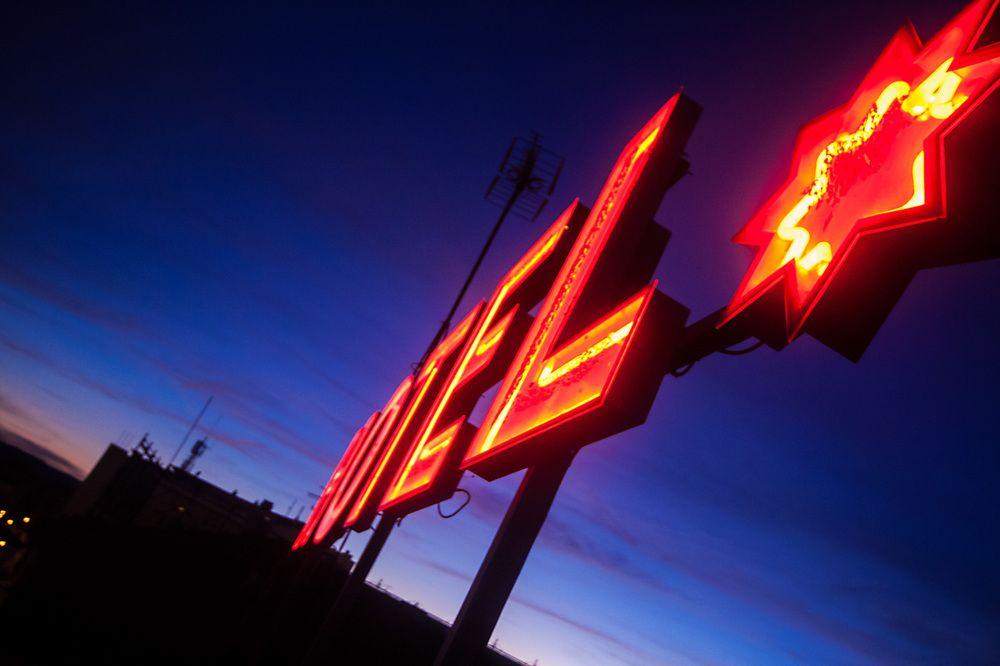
488 595
323 650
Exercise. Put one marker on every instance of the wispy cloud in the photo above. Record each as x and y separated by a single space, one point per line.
69 301
43 453
441 568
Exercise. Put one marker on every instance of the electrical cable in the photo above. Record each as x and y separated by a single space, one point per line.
468 498
680 372
746 350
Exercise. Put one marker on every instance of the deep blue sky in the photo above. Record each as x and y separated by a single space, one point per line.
275 207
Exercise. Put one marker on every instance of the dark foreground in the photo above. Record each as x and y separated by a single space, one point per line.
87 590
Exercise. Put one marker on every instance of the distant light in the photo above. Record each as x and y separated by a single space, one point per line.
27 519
3 544
3 512
10 521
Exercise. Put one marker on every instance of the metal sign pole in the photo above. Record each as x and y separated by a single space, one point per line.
488 594
502 565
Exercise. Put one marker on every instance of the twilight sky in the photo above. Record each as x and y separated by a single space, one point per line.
276 207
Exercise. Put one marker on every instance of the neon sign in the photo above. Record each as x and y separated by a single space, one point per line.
557 379
350 499
382 425
431 471
319 526
890 182
873 167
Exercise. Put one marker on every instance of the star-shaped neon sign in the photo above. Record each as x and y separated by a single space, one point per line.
872 166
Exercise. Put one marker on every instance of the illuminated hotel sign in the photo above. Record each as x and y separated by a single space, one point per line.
575 377
895 180
577 372
866 198
430 471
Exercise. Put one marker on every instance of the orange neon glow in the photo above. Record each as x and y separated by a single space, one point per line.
492 338
551 372
546 385
305 534
422 466
870 166
328 519
429 455
367 502
576 377
486 350
369 495
323 501
359 469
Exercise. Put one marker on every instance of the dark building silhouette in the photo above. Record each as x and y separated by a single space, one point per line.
129 488
142 564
